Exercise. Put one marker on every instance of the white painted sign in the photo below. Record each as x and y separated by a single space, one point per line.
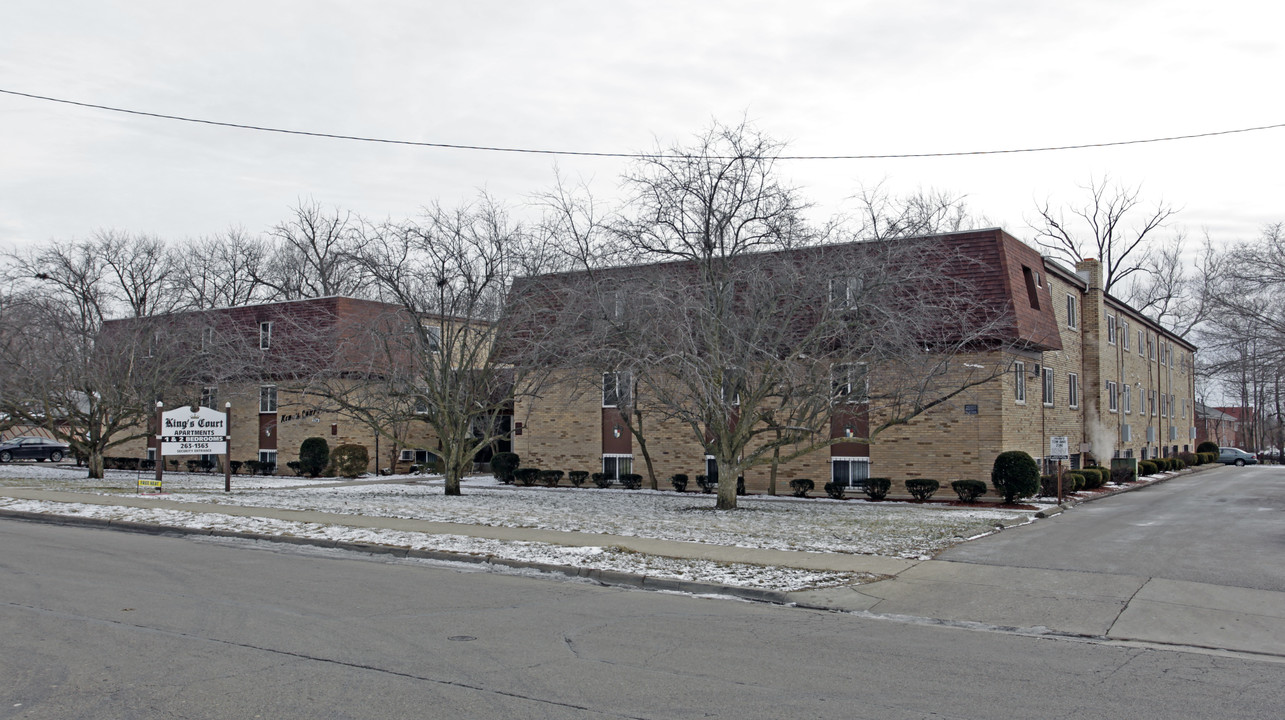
1059 448
184 432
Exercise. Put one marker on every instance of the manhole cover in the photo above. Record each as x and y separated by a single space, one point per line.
461 638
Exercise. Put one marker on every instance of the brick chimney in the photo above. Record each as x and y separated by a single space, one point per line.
1091 270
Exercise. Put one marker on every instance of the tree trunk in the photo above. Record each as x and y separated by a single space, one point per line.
95 463
776 463
453 481
726 487
642 445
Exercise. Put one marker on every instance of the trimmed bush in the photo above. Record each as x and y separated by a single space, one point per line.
526 476
801 487
835 490
295 466
348 460
922 488
1188 459
1015 475
1123 474
602 480
314 456
1095 477
503 464
1208 446
235 465
631 481
1048 486
550 478
968 490
1147 467
877 488
679 481
577 477
1072 481
706 485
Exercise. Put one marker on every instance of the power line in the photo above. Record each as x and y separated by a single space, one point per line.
581 153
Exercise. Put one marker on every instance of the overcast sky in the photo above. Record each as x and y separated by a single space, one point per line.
828 78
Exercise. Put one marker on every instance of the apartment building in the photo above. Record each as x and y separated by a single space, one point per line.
1078 363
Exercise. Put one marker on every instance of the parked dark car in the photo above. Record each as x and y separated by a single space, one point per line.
1236 456
32 448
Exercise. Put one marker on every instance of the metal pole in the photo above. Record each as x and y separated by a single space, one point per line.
160 459
227 452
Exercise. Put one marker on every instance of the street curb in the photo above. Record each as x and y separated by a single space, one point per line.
608 578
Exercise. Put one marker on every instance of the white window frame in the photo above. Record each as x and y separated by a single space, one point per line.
1073 389
267 455
1124 330
433 337
1019 382
1113 396
844 291
210 397
1111 329
1142 351
207 338
852 463
843 376
616 394
616 459
1050 386
1072 312
1127 392
267 399
265 335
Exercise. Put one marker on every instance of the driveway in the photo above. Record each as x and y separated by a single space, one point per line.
1222 527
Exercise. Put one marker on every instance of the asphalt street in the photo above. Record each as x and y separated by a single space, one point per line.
1221 527
101 624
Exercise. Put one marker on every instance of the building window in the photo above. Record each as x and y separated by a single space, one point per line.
1032 282
616 389
1113 396
1111 321
1048 387
1151 400
207 339
850 383
1072 312
209 397
1019 382
268 456
844 292
1184 407
1173 406
1164 405
1151 348
613 466
1124 333
850 472
267 398
1140 348
1073 390
265 335
1127 391
432 336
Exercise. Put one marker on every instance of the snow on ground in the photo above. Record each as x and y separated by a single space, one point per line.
601 558
818 525
894 529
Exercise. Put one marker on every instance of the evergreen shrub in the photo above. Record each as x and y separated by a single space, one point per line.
835 490
314 456
502 466
1015 475
577 477
877 488
348 460
968 490
801 487
679 481
922 488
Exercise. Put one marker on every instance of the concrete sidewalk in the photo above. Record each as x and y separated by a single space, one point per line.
1090 605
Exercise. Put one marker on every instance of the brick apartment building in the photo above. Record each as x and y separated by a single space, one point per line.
268 360
1080 364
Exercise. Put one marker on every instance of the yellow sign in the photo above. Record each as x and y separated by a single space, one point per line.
149 483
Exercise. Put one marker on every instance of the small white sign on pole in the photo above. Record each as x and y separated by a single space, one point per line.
1059 448
185 432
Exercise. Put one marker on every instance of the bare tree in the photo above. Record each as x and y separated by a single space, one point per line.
141 269
745 329
443 359
1113 224
315 255
221 271
1173 287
